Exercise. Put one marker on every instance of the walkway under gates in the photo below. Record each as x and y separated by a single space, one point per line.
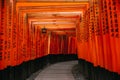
58 71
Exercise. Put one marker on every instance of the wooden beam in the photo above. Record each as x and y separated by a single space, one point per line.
49 3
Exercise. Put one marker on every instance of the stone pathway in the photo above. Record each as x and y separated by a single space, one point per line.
58 71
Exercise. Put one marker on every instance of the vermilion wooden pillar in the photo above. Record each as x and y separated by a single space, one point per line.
116 5
3 36
14 36
1 33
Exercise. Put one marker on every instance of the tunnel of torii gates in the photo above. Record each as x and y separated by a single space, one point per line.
31 30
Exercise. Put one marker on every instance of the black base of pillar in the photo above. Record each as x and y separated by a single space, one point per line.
1 74
96 73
